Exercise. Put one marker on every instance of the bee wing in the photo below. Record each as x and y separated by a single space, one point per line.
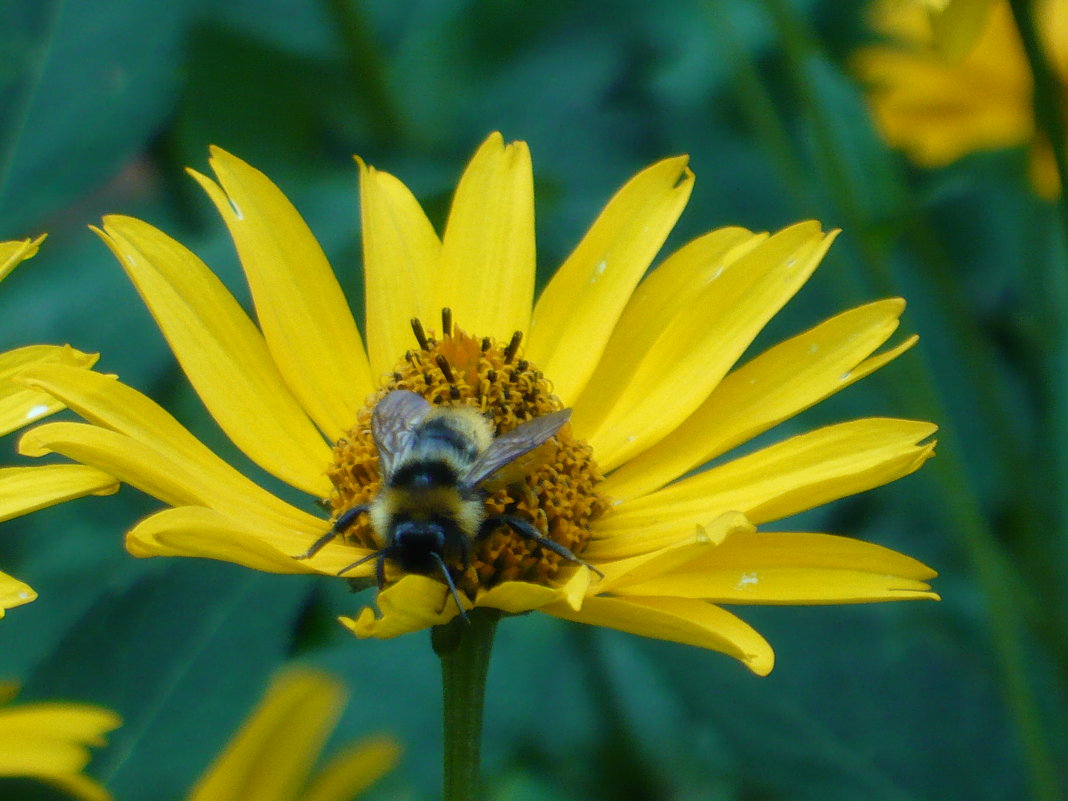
513 444
393 425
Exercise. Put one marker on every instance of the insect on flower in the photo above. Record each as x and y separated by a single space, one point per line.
437 465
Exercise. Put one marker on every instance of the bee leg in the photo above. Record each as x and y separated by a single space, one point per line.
342 523
527 530
452 586
379 570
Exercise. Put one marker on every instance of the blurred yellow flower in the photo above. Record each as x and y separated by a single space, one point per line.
26 489
645 366
49 741
937 110
272 755
956 24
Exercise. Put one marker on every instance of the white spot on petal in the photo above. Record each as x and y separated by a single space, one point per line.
845 376
747 580
24 596
814 347
598 271
36 411
715 275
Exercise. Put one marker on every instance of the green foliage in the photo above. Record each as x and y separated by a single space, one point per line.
103 106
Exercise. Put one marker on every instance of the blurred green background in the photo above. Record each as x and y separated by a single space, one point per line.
104 102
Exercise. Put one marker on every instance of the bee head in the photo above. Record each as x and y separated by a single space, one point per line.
419 536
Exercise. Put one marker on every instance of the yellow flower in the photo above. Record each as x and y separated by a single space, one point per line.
957 24
646 367
49 741
26 489
938 111
271 757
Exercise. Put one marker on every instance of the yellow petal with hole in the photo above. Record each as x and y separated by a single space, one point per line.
353 770
271 756
302 311
517 597
106 402
487 253
772 387
665 360
201 532
791 568
803 472
412 604
14 593
222 353
27 489
679 620
631 569
12 254
581 305
20 406
401 253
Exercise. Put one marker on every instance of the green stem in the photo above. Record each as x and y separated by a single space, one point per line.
464 649
1049 96
368 69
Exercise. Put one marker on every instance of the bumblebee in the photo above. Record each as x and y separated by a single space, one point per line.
437 464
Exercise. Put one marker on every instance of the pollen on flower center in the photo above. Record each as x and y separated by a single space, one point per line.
558 496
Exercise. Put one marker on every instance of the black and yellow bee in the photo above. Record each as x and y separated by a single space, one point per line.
435 463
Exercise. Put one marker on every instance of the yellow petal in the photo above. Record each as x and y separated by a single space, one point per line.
21 755
12 254
353 770
791 568
222 353
158 437
27 489
666 358
958 24
401 253
205 533
174 481
301 308
487 254
20 406
628 568
773 387
76 723
270 758
78 785
582 303
517 597
800 473
412 604
678 620
14 593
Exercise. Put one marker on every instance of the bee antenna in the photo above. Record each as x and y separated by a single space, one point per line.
446 370
420 334
452 586
446 322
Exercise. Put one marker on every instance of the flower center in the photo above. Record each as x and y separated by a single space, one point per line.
558 495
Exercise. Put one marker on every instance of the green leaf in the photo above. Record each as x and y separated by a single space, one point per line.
86 87
183 655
